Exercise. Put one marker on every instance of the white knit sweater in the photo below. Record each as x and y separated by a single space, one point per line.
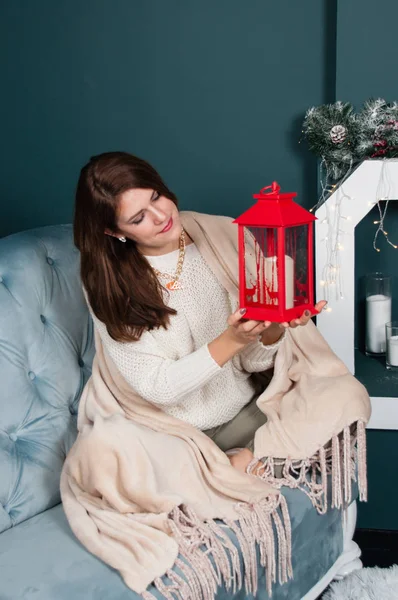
173 368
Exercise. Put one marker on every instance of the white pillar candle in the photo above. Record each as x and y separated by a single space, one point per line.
271 277
378 313
392 351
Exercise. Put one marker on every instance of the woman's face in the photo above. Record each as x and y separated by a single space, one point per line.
150 220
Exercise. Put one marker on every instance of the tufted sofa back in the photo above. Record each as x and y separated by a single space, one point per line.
46 352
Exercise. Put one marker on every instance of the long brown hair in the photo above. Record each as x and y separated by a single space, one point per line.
122 289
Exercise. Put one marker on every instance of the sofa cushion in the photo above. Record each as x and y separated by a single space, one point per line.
46 352
41 559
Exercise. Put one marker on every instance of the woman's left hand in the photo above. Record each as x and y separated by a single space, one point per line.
306 316
273 331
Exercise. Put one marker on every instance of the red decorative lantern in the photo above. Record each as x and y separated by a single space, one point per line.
276 258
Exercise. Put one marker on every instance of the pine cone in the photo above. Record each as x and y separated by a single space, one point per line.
338 134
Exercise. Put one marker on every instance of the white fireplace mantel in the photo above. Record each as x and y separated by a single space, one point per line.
356 196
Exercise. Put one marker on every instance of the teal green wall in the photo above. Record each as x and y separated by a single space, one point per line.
366 67
211 92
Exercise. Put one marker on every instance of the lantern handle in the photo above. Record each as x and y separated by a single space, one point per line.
275 188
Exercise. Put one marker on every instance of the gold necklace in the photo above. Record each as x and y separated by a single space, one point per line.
174 283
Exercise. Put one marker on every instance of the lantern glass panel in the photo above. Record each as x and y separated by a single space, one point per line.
296 246
261 284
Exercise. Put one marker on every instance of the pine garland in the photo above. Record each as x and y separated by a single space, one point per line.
343 138
331 131
378 131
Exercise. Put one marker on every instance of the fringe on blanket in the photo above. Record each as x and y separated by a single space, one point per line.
344 459
208 557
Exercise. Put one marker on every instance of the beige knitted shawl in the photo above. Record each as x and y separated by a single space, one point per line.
145 492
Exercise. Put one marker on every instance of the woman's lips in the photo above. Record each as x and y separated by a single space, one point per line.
168 226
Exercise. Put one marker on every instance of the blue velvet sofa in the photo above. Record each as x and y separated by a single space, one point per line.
46 350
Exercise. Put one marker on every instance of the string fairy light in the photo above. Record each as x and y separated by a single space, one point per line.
332 282
382 194
380 228
331 272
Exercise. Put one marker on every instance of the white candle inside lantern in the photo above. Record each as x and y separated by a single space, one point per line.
378 313
271 277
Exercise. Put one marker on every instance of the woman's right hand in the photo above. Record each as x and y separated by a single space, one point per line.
243 331
237 335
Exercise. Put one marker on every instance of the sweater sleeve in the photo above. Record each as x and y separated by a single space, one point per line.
152 375
257 357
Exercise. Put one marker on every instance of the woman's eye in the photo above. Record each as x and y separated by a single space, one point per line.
155 196
138 221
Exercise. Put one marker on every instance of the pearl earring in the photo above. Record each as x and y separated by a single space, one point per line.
122 239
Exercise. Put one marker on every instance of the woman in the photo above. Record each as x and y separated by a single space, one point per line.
166 322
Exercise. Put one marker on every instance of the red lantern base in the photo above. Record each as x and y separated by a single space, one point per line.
258 313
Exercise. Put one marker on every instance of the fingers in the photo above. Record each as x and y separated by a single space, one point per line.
254 328
295 323
236 317
250 326
249 330
319 306
303 320
258 330
307 315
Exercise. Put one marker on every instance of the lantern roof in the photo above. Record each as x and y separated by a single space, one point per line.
275 209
